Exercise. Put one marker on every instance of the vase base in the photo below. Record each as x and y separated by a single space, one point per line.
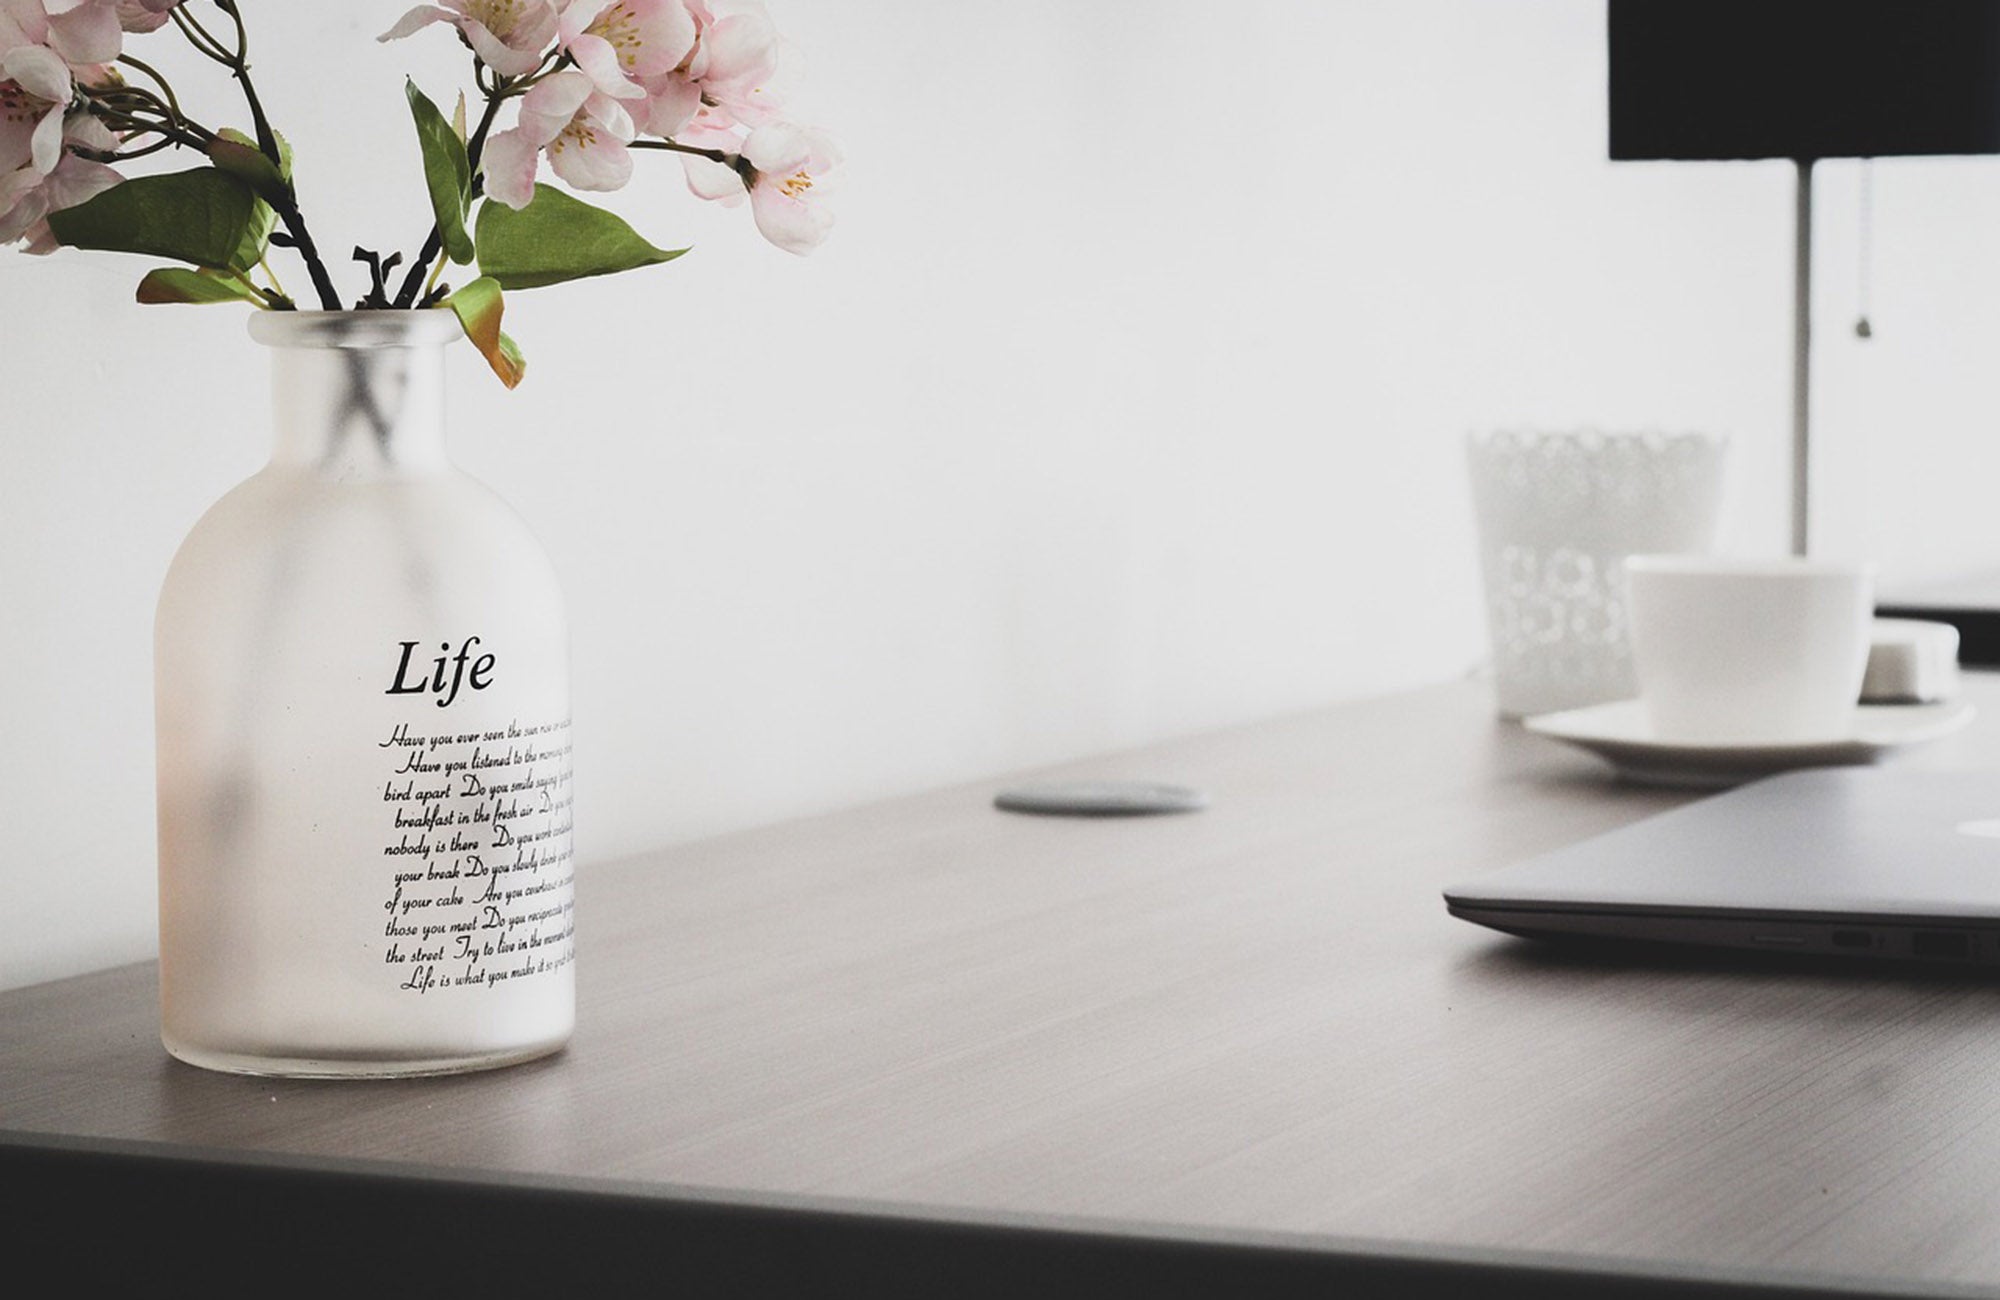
358 1065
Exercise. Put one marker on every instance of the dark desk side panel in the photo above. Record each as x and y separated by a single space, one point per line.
1978 628
172 1224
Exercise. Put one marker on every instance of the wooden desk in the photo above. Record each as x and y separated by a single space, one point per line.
930 1048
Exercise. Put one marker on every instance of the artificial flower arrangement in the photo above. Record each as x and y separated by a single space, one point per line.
595 80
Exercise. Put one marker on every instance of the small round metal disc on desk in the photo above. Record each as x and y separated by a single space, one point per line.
1100 799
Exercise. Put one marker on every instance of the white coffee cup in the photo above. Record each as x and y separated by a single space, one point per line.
1736 651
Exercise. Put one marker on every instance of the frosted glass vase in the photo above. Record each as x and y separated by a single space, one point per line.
362 691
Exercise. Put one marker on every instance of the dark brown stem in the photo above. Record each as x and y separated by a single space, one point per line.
267 142
295 225
736 162
713 155
197 35
124 155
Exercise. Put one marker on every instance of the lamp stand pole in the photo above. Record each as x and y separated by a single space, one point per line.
1802 358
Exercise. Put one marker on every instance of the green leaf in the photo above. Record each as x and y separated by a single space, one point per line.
511 362
256 237
205 216
479 307
254 167
557 238
249 141
447 172
265 219
247 163
175 284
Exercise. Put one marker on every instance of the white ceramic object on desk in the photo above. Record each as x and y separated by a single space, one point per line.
1558 511
1911 661
1748 651
1622 733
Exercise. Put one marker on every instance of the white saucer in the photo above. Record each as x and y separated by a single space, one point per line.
1622 734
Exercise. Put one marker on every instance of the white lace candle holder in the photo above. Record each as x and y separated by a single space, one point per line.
1558 511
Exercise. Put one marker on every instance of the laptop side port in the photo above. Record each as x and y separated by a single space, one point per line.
1941 945
1853 939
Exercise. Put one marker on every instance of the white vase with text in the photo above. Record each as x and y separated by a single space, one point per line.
362 693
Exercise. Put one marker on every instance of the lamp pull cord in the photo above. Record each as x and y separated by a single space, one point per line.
1866 242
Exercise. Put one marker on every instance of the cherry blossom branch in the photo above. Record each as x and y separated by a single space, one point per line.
730 160
239 67
735 162
135 110
173 102
287 208
496 91
197 35
124 155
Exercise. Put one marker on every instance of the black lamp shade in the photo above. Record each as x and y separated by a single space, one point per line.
1808 79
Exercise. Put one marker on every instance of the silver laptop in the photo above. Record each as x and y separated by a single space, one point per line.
1861 862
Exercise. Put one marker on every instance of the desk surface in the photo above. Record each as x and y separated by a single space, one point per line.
1254 1025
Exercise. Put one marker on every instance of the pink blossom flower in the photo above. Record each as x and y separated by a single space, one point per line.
583 130
739 59
621 43
145 15
79 32
32 100
511 36
734 55
784 194
786 164
28 195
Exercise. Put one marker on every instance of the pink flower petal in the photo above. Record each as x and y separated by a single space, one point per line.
78 180
24 218
599 61
708 179
509 164
47 144
83 129
741 48
779 147
17 129
415 21
577 15
87 34
532 28
23 22
503 58
605 164
661 34
39 239
27 197
671 103
19 205
143 16
39 71
795 226
548 109
605 114
785 198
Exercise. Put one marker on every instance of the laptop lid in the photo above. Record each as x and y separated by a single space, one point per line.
1867 862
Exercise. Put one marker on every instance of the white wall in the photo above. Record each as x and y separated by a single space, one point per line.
1126 401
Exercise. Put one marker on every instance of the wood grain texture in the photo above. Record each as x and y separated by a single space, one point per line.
1257 1017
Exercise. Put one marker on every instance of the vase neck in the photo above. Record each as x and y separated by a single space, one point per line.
357 394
